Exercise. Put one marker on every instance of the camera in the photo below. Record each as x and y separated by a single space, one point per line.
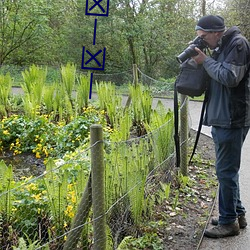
190 51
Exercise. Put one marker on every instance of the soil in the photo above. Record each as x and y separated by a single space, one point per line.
186 223
25 164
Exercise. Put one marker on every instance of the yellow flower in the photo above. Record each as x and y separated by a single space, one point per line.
45 151
17 152
73 199
31 187
103 112
14 209
38 156
37 196
69 211
6 132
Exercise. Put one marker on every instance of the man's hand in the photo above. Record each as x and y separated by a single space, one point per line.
200 58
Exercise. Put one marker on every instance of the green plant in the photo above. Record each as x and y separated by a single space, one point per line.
147 241
164 191
176 199
141 103
82 96
45 138
30 208
5 90
33 85
23 134
161 128
68 74
126 172
48 98
23 246
110 102
56 187
121 130
6 196
184 181
28 244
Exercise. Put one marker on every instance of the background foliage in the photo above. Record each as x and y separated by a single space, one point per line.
149 33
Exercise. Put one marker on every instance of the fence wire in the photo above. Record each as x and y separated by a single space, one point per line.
44 210
41 210
158 87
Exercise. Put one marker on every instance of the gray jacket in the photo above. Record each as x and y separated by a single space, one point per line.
228 103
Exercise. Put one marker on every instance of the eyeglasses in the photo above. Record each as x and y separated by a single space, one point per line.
203 36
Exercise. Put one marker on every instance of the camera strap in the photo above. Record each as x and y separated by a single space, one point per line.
199 127
176 127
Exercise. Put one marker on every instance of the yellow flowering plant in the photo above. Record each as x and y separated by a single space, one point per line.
44 137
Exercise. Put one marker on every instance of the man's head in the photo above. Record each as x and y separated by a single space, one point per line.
211 29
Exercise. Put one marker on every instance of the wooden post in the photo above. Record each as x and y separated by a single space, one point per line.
184 135
98 194
135 74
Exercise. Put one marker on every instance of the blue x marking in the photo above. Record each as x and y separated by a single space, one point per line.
97 3
101 65
103 7
93 57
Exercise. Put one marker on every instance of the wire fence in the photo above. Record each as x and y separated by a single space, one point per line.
42 209
55 210
160 87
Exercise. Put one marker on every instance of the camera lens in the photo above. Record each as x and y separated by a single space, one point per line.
187 53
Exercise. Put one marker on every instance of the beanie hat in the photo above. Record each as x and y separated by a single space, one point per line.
210 23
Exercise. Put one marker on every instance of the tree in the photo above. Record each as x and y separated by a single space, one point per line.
237 12
21 21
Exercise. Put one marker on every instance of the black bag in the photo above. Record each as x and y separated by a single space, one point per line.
192 80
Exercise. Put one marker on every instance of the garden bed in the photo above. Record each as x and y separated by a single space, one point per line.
178 222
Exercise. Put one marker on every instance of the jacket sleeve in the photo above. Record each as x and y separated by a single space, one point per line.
234 66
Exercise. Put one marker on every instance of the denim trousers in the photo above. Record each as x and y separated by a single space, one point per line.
228 145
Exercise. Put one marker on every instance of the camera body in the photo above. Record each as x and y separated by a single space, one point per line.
190 51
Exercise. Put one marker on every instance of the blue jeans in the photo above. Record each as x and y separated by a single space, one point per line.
228 145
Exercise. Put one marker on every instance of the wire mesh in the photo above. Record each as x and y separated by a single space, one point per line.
158 87
39 210
43 211
119 78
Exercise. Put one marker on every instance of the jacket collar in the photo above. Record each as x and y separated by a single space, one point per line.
231 32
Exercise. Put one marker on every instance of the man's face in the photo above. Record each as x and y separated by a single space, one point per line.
211 38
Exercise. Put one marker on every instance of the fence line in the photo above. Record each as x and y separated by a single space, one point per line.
114 204
124 211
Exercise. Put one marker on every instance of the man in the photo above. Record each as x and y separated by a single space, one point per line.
228 112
